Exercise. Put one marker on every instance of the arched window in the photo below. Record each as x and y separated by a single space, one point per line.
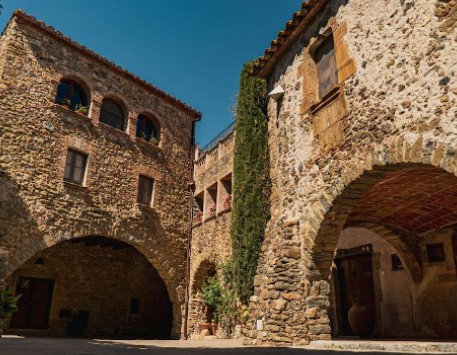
111 113
72 95
145 128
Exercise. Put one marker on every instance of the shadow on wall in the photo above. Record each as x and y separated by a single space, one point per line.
16 220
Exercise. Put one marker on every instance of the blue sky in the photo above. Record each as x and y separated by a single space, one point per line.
192 49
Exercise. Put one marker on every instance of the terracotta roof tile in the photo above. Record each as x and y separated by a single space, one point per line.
299 22
21 15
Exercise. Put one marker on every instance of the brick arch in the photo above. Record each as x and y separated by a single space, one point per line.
78 80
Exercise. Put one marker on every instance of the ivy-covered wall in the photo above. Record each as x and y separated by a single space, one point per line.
251 187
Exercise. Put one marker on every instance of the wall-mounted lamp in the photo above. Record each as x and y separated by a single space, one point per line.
277 93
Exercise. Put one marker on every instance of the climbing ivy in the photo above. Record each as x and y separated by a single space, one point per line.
250 212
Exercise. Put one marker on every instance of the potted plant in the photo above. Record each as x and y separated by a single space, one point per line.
198 217
153 140
211 294
81 109
65 101
228 201
8 305
212 210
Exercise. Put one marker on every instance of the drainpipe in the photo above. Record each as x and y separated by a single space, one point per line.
191 187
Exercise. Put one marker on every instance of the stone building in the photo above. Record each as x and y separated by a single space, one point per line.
94 172
211 242
362 142
95 166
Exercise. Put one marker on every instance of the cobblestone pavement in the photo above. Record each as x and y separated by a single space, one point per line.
11 345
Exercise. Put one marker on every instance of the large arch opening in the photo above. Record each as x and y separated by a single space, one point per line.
386 252
91 286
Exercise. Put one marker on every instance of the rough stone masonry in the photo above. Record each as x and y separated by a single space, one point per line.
38 209
394 104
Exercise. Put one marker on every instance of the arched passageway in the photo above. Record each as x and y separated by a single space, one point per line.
91 286
388 243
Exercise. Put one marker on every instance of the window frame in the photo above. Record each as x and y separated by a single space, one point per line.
73 86
112 115
150 192
143 120
436 252
72 166
329 59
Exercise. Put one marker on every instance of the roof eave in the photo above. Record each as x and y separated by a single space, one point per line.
41 26
300 21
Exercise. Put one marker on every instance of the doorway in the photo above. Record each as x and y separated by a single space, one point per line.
355 283
34 304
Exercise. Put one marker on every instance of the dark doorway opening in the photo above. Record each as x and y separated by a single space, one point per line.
34 304
355 284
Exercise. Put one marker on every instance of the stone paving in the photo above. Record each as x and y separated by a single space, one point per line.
13 345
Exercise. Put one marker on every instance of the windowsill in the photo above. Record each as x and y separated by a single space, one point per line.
110 129
209 218
225 210
75 186
65 109
197 223
147 144
326 100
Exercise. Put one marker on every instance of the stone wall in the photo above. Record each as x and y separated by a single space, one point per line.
395 103
38 209
211 242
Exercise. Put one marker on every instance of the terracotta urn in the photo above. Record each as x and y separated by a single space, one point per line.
361 320
204 329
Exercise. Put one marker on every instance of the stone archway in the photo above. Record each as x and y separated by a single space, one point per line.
27 227
197 309
92 286
415 202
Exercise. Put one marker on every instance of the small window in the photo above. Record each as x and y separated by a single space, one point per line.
135 306
146 129
75 167
111 114
396 262
72 95
435 253
145 189
326 66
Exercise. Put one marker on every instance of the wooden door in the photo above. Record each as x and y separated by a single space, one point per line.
355 283
34 304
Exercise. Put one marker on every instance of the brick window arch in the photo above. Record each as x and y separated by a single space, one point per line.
71 94
112 114
147 129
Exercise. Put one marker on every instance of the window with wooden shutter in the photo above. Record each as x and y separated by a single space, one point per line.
75 167
326 65
145 189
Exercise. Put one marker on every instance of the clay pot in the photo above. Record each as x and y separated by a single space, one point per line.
204 329
361 320
213 328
